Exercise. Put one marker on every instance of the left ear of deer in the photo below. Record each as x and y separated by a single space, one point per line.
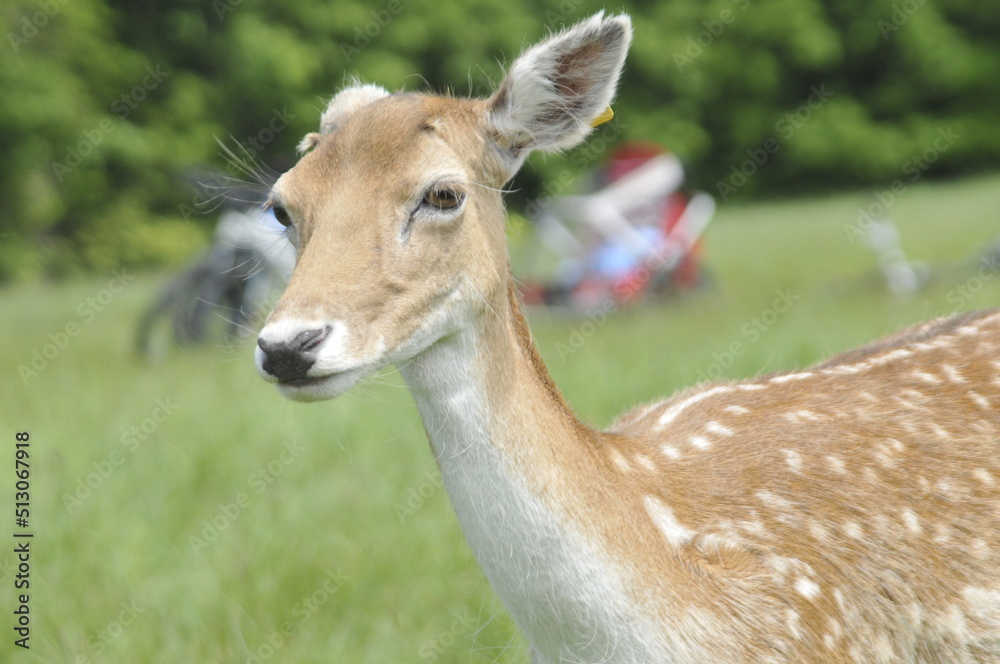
556 89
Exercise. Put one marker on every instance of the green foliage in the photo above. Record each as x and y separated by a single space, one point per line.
111 109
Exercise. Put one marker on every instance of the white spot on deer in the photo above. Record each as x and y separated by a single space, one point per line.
801 416
968 330
837 464
945 488
829 641
807 587
663 517
940 432
620 461
836 629
792 621
898 354
787 378
983 603
794 460
753 526
979 400
925 377
718 429
884 652
848 368
785 508
671 452
700 442
953 620
883 455
980 549
984 476
676 409
643 411
853 530
818 530
751 387
911 521
737 410
942 534
645 462
951 373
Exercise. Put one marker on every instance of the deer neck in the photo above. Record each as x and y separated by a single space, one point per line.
522 475
485 390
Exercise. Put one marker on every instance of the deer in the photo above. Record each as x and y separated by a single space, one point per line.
848 512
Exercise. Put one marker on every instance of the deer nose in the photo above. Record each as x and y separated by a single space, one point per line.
291 360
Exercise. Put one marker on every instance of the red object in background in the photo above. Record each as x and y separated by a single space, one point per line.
629 156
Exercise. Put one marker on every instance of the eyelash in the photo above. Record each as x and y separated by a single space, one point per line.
443 198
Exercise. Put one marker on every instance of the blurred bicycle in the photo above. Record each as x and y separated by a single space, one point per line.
222 292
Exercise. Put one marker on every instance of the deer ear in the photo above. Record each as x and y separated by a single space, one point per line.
556 89
343 104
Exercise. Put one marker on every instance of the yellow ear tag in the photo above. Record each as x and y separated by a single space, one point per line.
603 117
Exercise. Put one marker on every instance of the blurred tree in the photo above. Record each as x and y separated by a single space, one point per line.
111 109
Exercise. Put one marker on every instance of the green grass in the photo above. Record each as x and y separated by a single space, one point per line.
402 586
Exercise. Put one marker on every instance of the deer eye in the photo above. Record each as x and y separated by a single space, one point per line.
443 197
281 214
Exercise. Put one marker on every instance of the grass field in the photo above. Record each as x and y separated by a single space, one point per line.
185 512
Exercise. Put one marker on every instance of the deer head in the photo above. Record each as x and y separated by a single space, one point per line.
397 215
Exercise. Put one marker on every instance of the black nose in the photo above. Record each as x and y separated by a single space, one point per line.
291 360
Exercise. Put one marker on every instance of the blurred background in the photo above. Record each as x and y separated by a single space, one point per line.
112 110
843 156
